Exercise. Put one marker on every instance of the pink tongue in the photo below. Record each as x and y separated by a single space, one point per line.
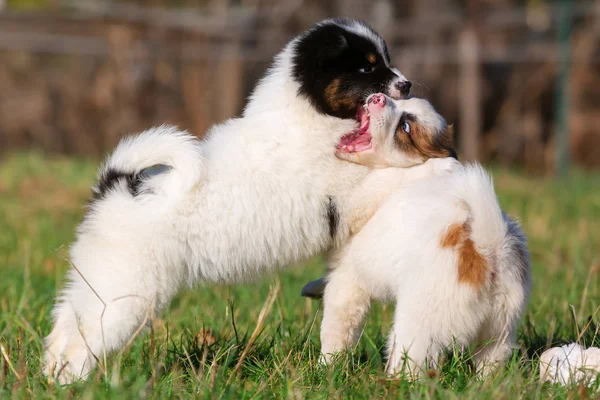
347 140
356 142
360 139
362 143
355 147
363 139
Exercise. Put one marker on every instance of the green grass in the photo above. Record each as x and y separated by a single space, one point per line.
42 200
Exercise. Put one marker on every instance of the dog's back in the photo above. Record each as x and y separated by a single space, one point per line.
456 265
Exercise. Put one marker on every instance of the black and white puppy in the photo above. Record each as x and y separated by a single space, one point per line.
260 192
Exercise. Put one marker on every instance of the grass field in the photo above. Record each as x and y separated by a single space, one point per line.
195 345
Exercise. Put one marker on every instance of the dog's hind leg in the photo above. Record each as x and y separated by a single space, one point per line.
85 332
126 263
345 306
497 337
129 256
410 346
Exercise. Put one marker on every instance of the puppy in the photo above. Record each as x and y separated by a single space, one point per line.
439 246
261 191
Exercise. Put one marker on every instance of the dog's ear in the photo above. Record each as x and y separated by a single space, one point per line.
333 45
324 44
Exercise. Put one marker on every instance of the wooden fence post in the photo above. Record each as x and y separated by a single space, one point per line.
561 125
469 94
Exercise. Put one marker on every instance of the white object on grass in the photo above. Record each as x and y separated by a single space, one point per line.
570 363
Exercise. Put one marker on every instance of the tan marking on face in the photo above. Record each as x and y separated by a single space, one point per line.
425 144
331 94
372 58
405 143
472 266
337 99
348 102
430 144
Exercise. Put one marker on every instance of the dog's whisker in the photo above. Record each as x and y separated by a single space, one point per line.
421 84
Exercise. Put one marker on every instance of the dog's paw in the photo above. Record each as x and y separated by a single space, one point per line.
61 371
66 358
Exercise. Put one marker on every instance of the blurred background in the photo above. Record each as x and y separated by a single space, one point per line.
519 78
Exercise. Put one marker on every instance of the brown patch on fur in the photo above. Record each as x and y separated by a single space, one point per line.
348 102
424 144
454 235
472 266
372 58
331 94
432 144
337 99
406 145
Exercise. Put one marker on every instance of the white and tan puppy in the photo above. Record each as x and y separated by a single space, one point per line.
260 192
439 247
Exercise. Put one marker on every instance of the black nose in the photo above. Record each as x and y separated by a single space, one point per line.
404 87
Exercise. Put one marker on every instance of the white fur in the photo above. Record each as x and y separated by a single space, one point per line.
250 198
164 145
398 256
399 217
424 111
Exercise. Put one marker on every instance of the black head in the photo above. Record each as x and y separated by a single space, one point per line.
340 62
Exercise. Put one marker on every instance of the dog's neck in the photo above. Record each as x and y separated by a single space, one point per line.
283 91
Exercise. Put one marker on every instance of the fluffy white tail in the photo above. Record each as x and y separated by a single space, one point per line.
473 185
161 160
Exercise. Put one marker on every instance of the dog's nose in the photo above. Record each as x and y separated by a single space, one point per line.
377 99
404 87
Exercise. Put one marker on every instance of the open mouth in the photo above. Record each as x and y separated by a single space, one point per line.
359 139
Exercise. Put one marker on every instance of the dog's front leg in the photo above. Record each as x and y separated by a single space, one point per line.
345 305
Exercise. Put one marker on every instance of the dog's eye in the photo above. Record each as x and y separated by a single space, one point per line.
406 127
366 70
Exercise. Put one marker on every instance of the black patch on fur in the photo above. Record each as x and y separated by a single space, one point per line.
314 289
333 216
111 178
331 54
516 241
453 153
